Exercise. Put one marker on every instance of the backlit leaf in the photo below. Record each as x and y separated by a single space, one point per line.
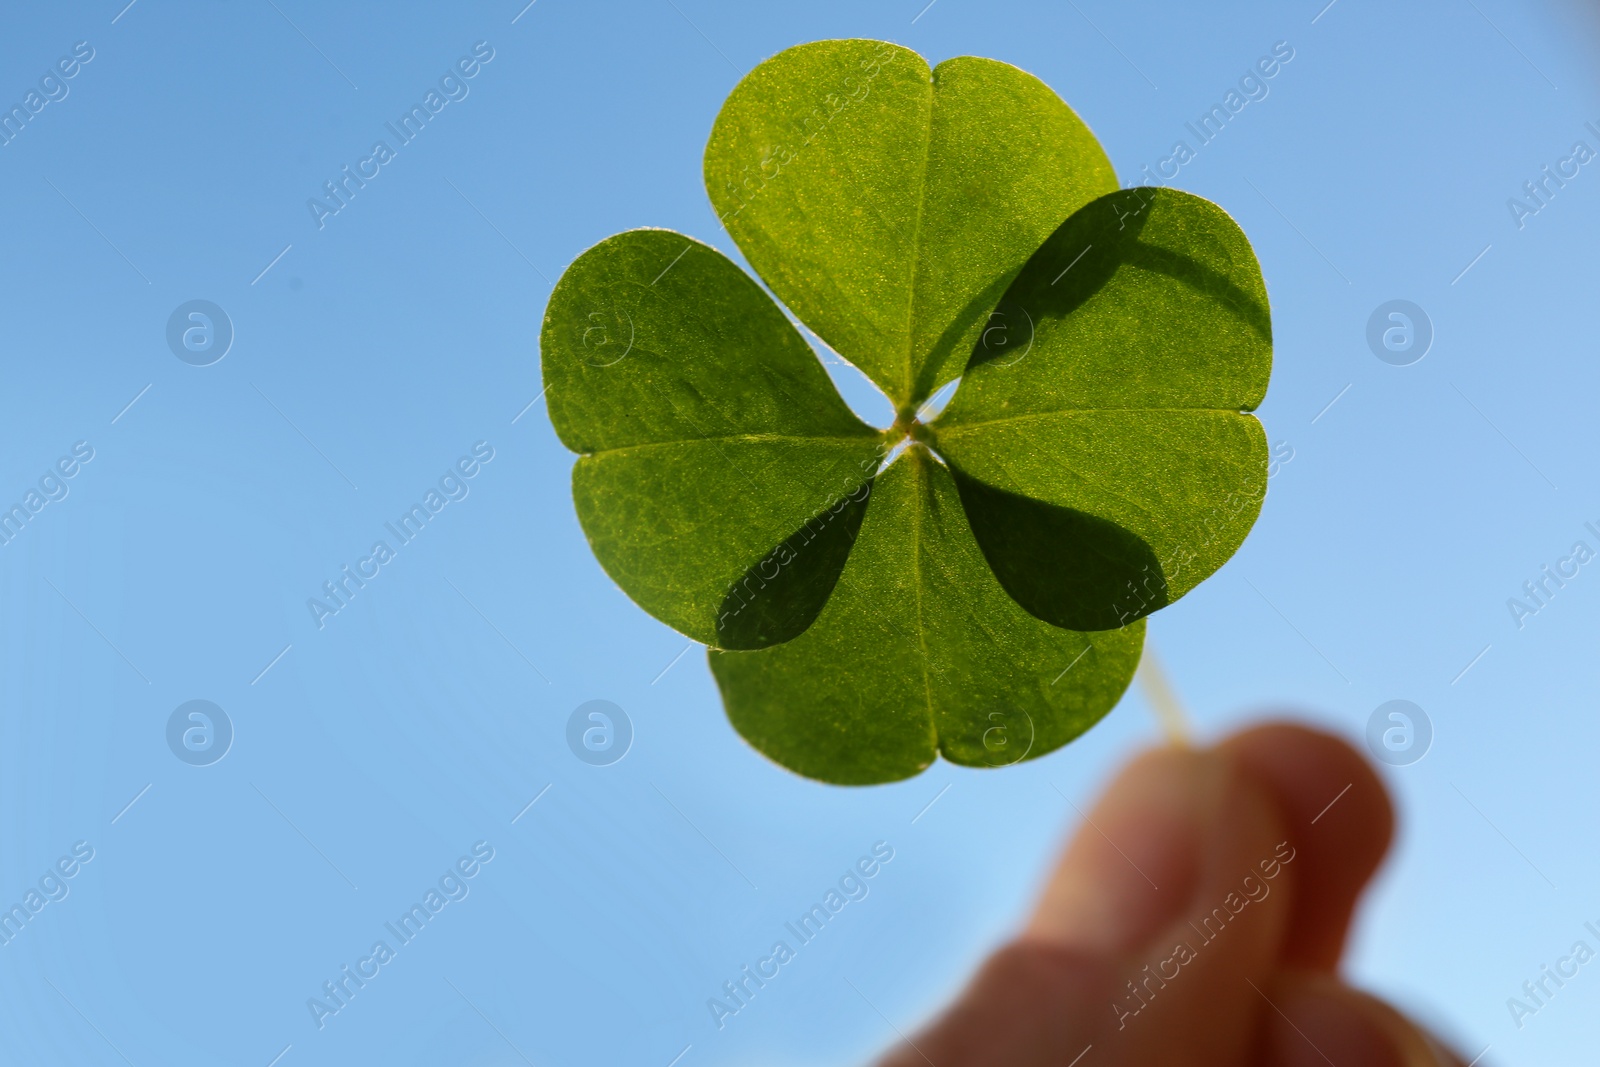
1108 460
709 435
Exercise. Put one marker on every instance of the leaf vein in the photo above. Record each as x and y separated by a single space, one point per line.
961 426
916 252
754 438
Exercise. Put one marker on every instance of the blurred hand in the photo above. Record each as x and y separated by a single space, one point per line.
1197 920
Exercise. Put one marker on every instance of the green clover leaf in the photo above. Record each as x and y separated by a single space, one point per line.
972 587
1124 429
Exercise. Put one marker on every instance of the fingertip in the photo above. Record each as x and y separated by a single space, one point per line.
1340 820
1132 865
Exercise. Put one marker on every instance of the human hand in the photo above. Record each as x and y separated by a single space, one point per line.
1197 920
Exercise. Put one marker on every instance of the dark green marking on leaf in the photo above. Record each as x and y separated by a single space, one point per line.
1065 566
775 600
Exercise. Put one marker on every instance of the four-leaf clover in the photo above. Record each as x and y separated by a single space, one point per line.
973 586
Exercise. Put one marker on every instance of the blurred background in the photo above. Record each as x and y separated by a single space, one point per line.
345 363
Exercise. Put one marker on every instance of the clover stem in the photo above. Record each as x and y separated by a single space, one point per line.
1163 701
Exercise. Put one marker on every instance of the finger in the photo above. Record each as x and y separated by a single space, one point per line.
1135 859
1339 820
1167 846
1186 996
1315 1021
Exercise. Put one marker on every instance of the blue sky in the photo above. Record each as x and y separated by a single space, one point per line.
376 348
